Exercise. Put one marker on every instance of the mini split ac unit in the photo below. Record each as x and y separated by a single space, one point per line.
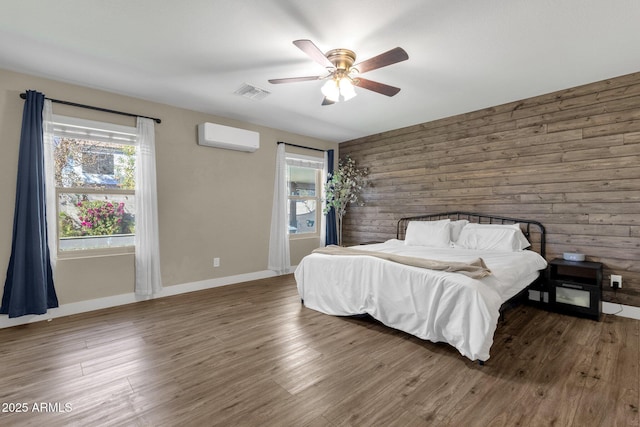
219 136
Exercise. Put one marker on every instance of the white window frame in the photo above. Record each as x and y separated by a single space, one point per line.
316 163
93 131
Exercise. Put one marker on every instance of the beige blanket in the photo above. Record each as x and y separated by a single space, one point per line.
475 269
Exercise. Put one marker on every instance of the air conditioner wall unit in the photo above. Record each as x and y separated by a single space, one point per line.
230 138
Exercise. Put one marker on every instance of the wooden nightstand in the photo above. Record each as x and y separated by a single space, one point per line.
575 287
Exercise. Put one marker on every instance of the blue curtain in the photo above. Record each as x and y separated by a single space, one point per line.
332 232
28 288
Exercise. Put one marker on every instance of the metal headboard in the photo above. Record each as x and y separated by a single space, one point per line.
525 224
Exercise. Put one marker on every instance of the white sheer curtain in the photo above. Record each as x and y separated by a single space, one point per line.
279 257
50 183
148 280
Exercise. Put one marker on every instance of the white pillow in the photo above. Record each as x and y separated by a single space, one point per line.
495 237
435 234
456 228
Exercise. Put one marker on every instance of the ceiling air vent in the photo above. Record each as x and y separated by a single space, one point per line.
252 92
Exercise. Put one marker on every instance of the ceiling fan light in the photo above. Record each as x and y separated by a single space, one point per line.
347 90
331 90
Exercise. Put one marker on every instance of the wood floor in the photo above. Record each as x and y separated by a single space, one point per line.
252 355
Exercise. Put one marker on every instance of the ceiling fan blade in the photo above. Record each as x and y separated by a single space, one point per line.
314 53
376 87
389 57
327 101
294 79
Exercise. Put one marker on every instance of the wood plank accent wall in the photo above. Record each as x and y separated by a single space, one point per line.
570 159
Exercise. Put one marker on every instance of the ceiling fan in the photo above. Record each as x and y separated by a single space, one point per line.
343 75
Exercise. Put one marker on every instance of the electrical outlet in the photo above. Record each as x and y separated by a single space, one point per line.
216 262
616 281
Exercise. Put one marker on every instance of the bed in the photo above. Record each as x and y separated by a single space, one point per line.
439 305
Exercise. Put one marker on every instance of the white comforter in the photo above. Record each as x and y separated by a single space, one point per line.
431 305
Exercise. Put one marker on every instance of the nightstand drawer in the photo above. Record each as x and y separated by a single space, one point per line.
576 298
566 294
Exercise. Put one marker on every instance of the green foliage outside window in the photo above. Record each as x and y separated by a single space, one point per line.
126 167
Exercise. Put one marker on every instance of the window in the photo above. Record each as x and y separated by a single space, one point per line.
304 183
94 167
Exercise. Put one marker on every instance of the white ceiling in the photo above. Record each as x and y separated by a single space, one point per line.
463 55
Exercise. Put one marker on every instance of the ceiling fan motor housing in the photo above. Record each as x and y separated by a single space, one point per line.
342 59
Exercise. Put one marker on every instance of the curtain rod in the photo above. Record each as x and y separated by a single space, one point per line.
105 110
301 146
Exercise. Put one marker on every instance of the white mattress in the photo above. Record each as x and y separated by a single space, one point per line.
432 305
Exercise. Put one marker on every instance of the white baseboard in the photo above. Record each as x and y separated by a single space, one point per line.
116 300
629 311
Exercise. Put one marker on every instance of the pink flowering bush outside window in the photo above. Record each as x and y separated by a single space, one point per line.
100 218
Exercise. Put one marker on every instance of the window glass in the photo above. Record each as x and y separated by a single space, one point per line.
304 187
82 163
95 189
91 221
302 181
